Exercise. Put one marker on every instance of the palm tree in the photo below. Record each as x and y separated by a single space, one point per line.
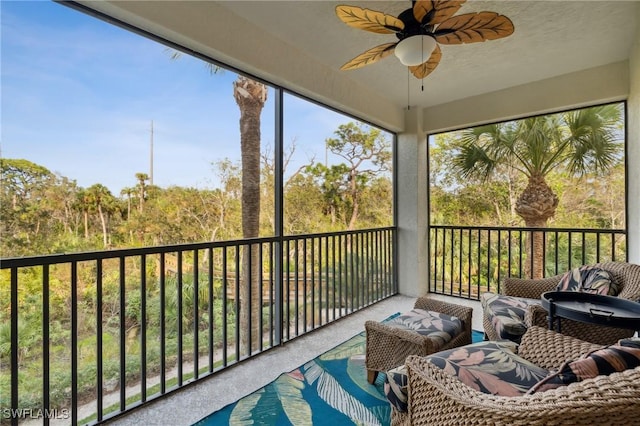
250 96
128 192
582 141
142 189
102 201
83 204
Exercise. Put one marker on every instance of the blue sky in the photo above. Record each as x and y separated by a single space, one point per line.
79 96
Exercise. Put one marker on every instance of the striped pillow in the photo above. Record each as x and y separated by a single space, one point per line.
600 362
588 279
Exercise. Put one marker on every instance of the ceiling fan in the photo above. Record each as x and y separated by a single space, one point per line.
420 29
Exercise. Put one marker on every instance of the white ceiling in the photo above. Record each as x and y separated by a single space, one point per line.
551 38
301 45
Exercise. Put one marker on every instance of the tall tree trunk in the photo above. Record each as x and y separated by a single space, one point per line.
512 196
496 205
104 226
250 96
354 200
86 224
536 205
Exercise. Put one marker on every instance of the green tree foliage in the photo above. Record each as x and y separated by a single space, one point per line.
42 213
367 155
577 142
104 204
488 193
305 206
36 209
514 172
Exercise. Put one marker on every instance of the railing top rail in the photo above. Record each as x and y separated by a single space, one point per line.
330 234
51 259
522 228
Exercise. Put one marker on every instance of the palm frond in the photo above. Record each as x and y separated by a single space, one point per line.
584 141
473 161
494 144
176 54
594 138
539 143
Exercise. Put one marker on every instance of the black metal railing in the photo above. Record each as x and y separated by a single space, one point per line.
112 330
466 261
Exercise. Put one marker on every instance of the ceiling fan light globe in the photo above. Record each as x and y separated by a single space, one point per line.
415 50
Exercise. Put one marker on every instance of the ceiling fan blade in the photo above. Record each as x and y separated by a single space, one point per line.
369 20
424 69
370 56
421 8
436 11
473 27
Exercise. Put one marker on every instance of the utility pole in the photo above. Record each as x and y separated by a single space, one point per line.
151 157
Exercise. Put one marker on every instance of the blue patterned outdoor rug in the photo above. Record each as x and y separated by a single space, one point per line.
331 389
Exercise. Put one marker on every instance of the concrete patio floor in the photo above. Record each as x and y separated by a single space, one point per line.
189 405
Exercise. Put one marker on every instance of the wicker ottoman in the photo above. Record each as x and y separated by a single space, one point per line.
426 329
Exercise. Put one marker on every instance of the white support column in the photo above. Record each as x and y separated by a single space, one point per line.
633 150
413 215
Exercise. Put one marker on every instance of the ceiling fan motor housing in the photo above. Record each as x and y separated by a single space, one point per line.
412 26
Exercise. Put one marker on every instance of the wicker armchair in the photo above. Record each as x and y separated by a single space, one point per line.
626 274
387 347
438 398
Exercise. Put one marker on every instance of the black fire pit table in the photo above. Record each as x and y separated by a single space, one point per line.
591 308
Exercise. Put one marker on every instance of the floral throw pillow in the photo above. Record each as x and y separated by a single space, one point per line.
490 367
395 388
588 279
600 362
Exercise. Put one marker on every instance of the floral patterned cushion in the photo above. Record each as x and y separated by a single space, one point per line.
597 363
440 328
588 279
506 314
490 367
395 387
